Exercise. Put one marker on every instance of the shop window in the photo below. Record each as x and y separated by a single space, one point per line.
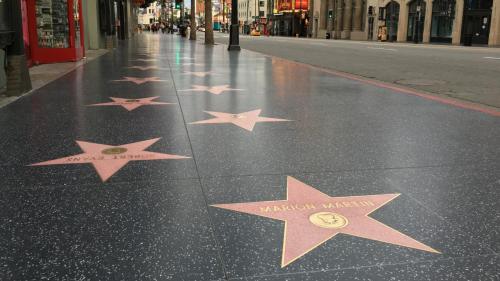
392 20
52 23
478 4
325 22
76 19
443 16
416 19
363 14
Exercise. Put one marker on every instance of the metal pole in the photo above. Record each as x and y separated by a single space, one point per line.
182 27
293 18
234 31
391 27
172 16
18 76
310 15
223 15
416 23
256 13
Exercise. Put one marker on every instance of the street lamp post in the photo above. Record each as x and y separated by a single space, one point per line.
391 20
416 28
223 15
172 16
19 81
234 30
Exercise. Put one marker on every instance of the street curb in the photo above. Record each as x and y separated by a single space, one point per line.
456 102
4 101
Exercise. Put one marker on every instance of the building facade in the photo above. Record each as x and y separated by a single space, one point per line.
289 17
150 14
252 15
61 30
106 20
428 21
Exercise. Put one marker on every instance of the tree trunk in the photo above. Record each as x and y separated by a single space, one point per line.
209 27
192 35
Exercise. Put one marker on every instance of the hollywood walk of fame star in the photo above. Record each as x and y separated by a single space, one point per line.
198 73
139 80
153 55
131 104
312 217
148 60
108 159
145 67
192 63
216 90
183 58
245 120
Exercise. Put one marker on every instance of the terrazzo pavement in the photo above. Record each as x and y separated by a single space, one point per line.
155 219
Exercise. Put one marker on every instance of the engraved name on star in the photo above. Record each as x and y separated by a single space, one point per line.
198 73
216 90
146 67
152 55
183 58
192 63
108 159
131 104
139 80
312 218
245 120
148 60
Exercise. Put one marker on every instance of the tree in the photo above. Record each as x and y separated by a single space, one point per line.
192 35
209 27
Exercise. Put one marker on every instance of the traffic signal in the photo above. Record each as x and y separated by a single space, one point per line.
178 4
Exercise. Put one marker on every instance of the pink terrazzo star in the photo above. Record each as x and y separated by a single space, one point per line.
312 218
245 120
153 55
131 104
145 67
139 80
108 159
148 60
183 58
216 90
191 63
198 73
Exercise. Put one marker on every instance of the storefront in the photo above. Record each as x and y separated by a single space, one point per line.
391 20
416 19
476 21
54 30
290 18
443 17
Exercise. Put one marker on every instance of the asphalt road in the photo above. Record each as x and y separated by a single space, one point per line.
467 73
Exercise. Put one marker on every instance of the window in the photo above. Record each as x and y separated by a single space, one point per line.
261 3
443 15
392 20
52 24
363 16
261 14
478 4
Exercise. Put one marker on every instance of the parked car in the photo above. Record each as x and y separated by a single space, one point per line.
255 32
